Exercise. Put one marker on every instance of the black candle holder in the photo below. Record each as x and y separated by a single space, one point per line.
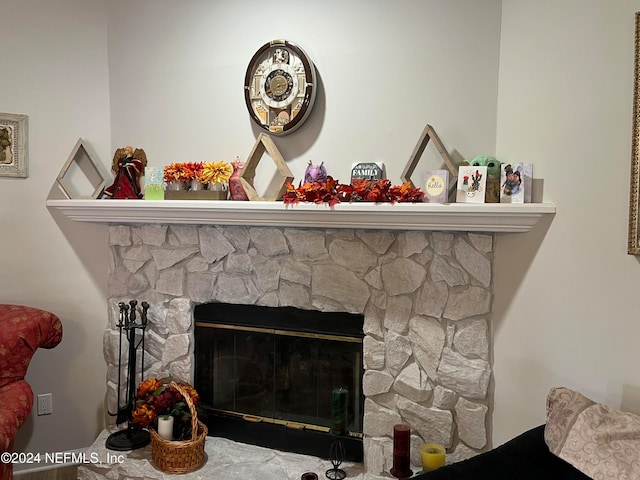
336 457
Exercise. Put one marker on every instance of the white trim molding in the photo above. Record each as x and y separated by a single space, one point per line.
487 217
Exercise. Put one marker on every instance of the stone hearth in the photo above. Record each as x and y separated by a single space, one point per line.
226 460
426 298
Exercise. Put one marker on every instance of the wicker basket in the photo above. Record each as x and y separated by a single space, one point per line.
180 456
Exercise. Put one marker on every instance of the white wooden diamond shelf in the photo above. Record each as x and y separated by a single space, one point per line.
87 167
264 144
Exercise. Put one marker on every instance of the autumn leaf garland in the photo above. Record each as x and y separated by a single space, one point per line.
333 192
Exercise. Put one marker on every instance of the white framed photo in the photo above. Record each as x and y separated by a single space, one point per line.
14 151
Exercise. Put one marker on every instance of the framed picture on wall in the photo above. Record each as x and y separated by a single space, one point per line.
13 145
634 242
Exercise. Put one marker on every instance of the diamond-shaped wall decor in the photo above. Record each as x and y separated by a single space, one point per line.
428 134
81 172
263 144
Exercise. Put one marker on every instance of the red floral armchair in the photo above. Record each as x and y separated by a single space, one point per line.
22 331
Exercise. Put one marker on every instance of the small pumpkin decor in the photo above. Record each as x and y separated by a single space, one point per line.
315 173
155 398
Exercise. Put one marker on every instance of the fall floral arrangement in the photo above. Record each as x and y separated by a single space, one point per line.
214 172
203 172
180 172
154 398
333 192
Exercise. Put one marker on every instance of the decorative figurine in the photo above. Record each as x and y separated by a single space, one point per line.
128 166
236 190
492 194
315 173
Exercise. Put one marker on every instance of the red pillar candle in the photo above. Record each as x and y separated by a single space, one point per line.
401 451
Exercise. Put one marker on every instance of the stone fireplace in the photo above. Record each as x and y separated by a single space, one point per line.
426 298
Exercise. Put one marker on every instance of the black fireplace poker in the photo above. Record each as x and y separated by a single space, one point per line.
133 437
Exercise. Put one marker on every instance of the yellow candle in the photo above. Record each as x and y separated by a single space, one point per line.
432 455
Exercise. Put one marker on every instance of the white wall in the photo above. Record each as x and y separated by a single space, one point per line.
54 69
567 298
177 73
173 76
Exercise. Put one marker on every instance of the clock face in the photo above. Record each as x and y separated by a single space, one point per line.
279 87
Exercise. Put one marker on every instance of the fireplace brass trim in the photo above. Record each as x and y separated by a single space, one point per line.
275 331
284 423
252 418
295 425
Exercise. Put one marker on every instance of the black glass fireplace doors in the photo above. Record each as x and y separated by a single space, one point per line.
262 369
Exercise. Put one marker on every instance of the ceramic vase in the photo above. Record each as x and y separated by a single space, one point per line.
174 186
196 185
221 190
218 186
236 190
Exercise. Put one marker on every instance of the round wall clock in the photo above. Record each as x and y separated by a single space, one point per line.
280 87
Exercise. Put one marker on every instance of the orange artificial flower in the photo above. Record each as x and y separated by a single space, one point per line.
148 387
215 172
143 415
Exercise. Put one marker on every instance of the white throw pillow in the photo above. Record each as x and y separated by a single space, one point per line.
600 442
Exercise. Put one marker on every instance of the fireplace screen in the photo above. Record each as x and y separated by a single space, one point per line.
279 366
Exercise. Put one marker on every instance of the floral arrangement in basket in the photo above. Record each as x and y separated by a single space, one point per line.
154 399
360 190
203 172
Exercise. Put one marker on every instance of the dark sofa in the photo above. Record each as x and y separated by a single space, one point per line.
525 457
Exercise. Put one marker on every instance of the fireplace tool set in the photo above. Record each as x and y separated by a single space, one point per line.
132 437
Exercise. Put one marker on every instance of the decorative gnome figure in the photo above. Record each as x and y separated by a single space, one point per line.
315 173
492 194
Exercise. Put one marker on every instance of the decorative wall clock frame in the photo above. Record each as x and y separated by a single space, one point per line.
14 145
280 87
428 134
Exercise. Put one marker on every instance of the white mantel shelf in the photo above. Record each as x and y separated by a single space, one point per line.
490 217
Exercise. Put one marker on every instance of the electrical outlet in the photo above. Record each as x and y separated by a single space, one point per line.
45 404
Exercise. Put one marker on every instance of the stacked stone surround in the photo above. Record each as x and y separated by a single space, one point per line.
426 298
